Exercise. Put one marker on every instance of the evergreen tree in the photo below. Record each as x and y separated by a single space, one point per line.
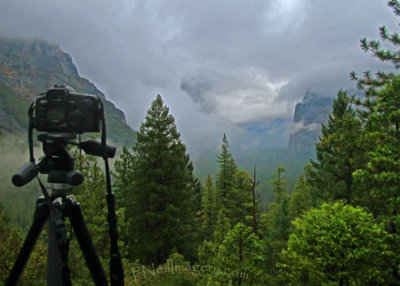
369 83
242 211
225 186
276 221
225 182
239 258
255 202
161 206
379 178
279 184
302 199
274 225
123 175
210 211
338 153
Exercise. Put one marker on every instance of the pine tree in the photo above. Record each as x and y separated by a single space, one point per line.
161 210
227 169
239 258
122 174
279 184
225 183
302 199
275 225
371 84
210 211
255 202
243 209
338 153
379 178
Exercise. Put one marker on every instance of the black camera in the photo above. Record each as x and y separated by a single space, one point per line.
62 110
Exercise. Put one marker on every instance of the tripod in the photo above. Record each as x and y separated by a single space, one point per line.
59 165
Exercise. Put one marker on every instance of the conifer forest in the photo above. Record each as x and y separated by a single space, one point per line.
338 225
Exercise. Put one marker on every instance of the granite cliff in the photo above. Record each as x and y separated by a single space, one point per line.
308 116
30 67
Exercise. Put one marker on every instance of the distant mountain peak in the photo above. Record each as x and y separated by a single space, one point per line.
313 109
29 67
309 114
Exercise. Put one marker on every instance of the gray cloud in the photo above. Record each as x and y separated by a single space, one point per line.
220 65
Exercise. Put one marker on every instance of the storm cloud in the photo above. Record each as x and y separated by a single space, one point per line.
219 65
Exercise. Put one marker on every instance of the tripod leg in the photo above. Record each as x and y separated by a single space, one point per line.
40 217
57 257
85 242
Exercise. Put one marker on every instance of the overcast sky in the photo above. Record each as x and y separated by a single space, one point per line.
219 65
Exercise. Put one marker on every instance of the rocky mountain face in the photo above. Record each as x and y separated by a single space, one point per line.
31 67
308 116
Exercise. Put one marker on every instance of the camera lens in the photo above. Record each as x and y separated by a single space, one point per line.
75 118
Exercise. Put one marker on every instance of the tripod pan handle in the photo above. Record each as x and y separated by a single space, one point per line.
25 174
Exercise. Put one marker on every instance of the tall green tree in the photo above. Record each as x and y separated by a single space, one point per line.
338 153
302 199
210 211
161 202
275 225
122 174
243 203
225 186
225 182
279 184
255 202
277 217
379 112
379 178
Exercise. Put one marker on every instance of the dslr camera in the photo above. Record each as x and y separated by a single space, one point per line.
62 110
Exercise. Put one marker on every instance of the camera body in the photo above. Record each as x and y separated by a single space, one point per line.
62 110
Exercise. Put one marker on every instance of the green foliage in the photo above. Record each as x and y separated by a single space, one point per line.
336 244
371 84
161 205
275 226
176 271
379 177
243 188
91 196
338 153
239 258
225 178
301 199
10 245
279 184
233 190
122 174
210 211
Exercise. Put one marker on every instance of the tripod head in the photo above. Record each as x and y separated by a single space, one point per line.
58 163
